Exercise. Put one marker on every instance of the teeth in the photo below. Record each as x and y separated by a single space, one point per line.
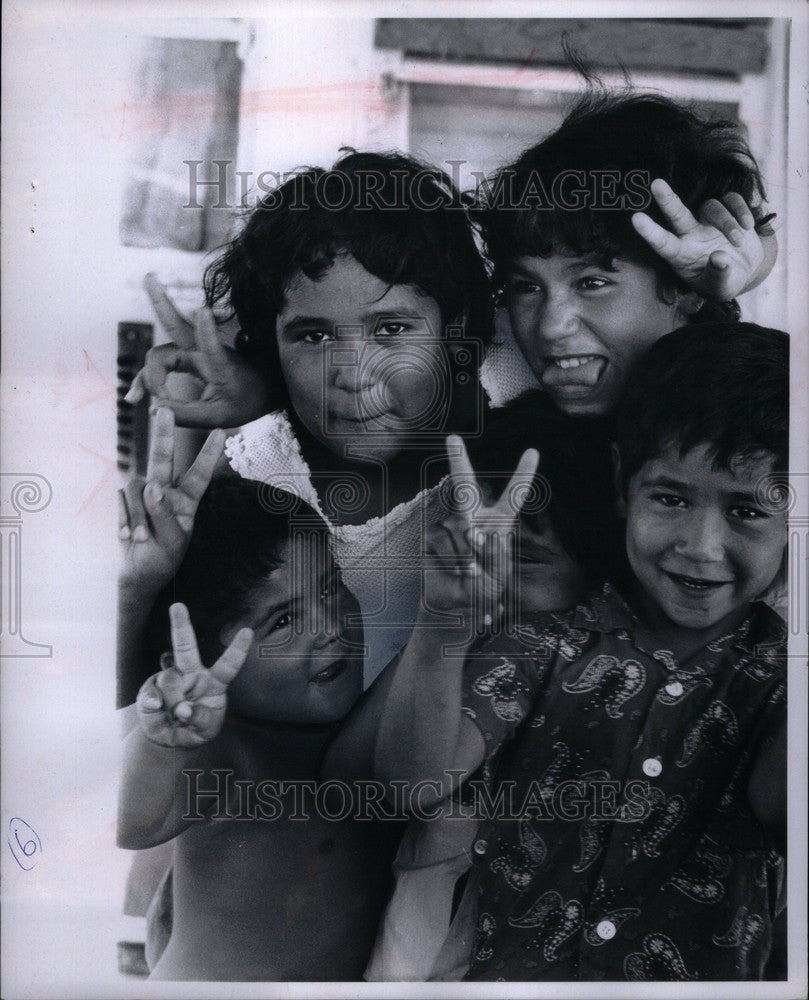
576 362
694 584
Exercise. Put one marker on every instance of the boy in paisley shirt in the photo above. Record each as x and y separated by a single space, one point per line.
632 750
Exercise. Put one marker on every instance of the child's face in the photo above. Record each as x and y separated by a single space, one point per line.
581 326
547 577
698 539
363 361
304 666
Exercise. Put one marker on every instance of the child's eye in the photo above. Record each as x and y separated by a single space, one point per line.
283 621
593 283
521 286
747 513
317 336
669 499
389 329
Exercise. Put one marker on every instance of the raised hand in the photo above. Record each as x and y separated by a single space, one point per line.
232 391
470 550
156 515
184 705
720 254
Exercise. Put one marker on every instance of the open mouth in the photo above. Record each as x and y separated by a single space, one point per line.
573 371
330 673
695 584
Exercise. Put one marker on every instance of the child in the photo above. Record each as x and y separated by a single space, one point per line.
362 297
633 749
589 281
268 883
565 543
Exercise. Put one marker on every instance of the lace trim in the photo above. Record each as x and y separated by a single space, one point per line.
286 453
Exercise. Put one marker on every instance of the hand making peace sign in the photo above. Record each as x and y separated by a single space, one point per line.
470 549
156 515
184 705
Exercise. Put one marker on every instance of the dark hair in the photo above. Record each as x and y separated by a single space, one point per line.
403 222
639 137
725 385
574 480
239 531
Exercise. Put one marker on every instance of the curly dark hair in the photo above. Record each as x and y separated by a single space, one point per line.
404 222
634 137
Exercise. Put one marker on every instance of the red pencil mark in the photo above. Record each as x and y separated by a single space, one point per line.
106 391
102 483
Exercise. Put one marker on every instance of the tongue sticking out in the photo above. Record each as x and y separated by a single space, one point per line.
583 371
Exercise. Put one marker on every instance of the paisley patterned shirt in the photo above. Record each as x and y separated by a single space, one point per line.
621 845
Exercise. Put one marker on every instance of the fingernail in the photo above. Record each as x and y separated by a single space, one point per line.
151 703
183 711
154 492
140 533
124 533
133 396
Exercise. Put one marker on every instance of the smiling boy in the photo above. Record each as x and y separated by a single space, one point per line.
672 680
267 882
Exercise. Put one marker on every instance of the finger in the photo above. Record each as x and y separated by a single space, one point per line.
459 464
212 355
739 209
450 550
160 467
198 477
161 362
232 660
512 499
165 525
715 214
183 711
201 413
171 319
149 697
136 511
680 218
136 390
465 491
183 640
719 261
664 243
124 531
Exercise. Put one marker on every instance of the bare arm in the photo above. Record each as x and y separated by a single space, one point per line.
423 732
180 711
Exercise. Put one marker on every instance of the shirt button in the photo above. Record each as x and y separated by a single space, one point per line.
652 767
675 689
606 930
480 847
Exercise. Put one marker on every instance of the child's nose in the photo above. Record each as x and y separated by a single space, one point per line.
558 318
702 537
353 369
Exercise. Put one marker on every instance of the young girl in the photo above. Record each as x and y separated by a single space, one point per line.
223 762
362 297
